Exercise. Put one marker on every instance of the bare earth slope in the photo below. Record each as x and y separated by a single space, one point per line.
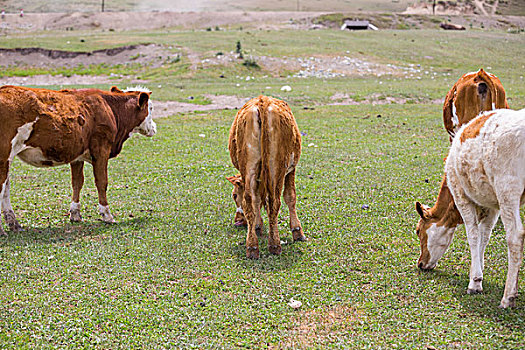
144 20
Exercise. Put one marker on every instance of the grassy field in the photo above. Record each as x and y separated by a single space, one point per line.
172 272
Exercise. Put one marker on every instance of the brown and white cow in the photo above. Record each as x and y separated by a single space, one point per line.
265 146
472 94
485 172
47 128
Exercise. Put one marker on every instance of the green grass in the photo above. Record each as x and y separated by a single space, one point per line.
172 272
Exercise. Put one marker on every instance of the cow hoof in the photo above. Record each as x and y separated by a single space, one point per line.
11 221
14 226
508 302
75 217
275 249
471 291
298 235
252 252
109 220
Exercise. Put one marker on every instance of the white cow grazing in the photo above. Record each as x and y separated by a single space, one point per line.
485 172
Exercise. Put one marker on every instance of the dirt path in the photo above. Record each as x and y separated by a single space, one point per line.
167 108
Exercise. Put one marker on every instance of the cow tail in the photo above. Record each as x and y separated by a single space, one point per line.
492 87
265 179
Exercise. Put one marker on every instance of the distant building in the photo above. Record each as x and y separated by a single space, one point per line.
349 24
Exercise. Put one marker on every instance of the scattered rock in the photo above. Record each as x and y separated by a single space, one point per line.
294 304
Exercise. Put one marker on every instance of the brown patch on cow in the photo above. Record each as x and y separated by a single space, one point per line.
473 129
314 328
421 231
472 94
443 213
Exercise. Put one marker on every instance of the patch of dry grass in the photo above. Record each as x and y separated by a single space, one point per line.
312 328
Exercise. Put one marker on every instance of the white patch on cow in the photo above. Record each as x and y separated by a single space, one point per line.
74 212
491 75
3 195
74 206
35 157
138 88
106 214
22 135
6 202
239 210
455 119
148 127
493 106
439 239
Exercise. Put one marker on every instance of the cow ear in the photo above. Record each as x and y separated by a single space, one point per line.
115 89
422 210
143 99
231 179
447 112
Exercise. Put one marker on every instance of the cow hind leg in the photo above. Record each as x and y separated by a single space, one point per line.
77 181
7 209
469 212
274 205
478 235
290 200
252 212
274 241
514 232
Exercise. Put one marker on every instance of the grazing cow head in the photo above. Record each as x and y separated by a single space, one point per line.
147 127
237 195
436 227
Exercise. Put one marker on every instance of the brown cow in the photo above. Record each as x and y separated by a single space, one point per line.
265 146
472 94
46 128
